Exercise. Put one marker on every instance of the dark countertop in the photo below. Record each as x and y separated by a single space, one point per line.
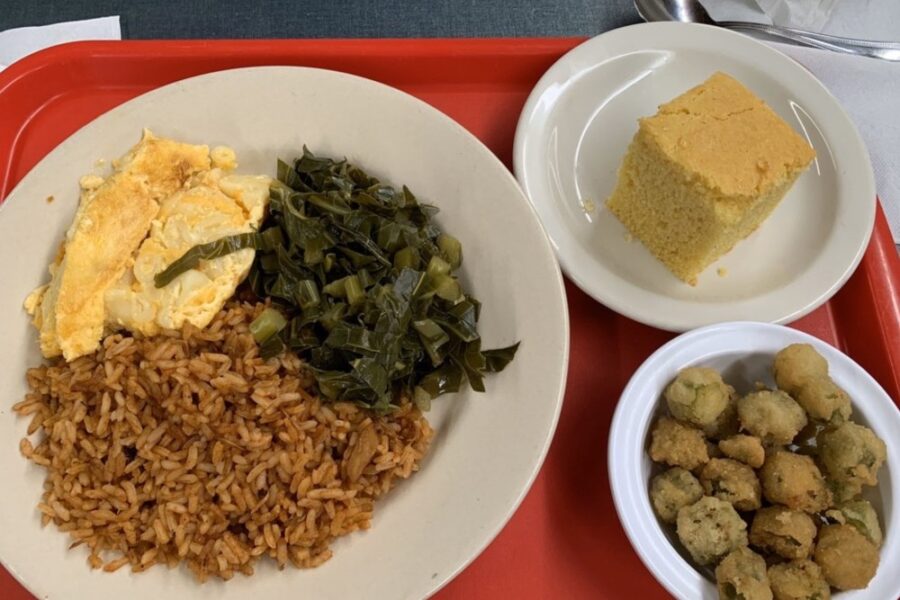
332 18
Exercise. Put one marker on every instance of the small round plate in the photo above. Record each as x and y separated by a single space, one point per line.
574 131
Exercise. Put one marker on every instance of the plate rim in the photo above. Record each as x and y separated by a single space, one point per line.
434 114
672 320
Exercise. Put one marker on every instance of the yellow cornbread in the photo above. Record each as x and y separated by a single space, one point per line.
704 173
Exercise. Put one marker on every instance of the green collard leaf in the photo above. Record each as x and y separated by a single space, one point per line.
496 360
222 247
365 284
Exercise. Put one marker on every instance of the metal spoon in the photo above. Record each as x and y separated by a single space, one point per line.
691 11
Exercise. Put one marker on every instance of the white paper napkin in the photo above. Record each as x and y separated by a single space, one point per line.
867 88
18 43
802 14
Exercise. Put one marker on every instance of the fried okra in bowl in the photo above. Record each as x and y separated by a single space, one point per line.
753 461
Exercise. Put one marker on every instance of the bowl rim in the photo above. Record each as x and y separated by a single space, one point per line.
630 427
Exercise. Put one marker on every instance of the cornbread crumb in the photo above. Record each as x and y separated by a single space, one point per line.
90 182
589 206
704 173
721 271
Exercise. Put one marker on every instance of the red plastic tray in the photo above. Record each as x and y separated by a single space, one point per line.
565 541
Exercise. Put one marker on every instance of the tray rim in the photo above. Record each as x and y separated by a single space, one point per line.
165 48
878 276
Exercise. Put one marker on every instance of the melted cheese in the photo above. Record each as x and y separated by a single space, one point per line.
163 198
213 208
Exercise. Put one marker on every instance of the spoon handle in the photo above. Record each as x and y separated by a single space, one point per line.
875 49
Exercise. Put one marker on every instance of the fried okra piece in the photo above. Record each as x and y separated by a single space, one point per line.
843 491
677 444
672 490
794 480
783 531
798 580
699 396
852 453
860 514
824 400
847 558
728 423
709 529
772 416
747 449
731 481
742 574
797 363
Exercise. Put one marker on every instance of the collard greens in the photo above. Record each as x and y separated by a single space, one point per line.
364 279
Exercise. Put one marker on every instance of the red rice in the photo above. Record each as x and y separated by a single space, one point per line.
187 447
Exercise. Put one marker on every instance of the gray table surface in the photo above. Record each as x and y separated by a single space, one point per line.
154 19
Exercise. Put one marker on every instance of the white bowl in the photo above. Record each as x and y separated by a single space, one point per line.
743 352
487 448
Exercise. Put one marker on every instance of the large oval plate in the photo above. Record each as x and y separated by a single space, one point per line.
574 131
488 447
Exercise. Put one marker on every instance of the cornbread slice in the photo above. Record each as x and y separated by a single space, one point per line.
704 173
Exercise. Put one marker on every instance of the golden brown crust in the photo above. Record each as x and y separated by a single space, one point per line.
786 532
111 221
848 560
678 445
745 448
102 241
738 145
795 481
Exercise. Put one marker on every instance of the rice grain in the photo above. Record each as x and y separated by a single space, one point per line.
188 447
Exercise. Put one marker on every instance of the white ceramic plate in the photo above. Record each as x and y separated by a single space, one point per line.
743 353
574 131
488 447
